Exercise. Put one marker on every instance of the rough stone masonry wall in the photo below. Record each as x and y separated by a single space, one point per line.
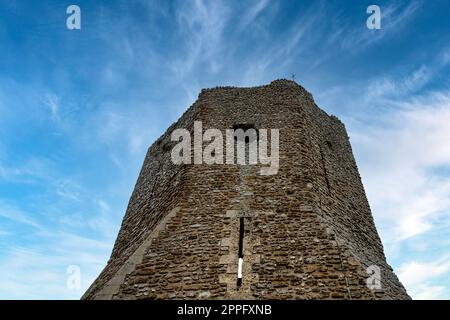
309 233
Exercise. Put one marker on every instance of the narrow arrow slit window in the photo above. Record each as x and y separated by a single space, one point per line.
241 252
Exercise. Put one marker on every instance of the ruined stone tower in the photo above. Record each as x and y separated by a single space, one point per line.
304 233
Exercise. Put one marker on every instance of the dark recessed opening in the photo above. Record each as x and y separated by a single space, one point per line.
241 237
329 145
245 127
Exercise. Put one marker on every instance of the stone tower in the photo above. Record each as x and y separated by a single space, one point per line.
304 233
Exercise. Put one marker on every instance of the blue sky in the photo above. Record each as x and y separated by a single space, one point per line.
79 108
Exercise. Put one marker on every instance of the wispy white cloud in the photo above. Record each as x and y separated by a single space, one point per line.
422 278
40 273
68 189
406 170
394 18
254 10
414 272
202 25
52 102
428 293
12 213
400 154
28 171
102 221
280 53
387 86
125 131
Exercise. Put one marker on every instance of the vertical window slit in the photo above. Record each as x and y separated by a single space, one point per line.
241 252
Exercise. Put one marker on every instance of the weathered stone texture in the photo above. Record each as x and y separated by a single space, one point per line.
309 232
